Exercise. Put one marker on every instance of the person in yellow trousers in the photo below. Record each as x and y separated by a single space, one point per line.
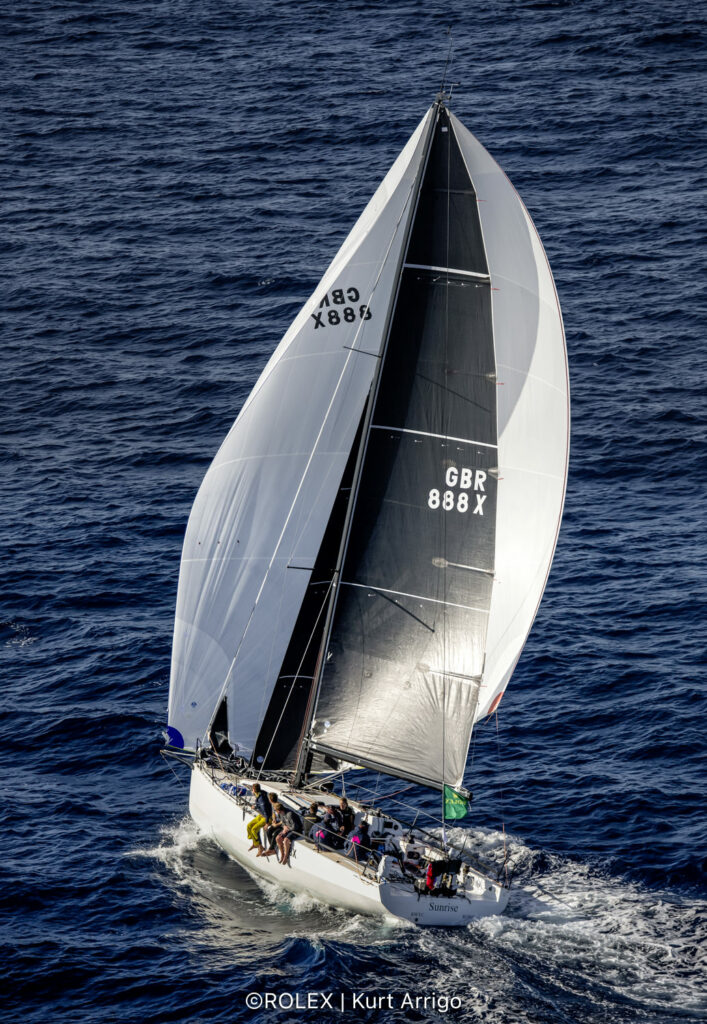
262 817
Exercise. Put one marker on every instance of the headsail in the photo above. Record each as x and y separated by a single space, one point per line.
261 512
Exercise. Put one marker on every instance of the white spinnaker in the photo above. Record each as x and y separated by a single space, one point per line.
261 511
533 413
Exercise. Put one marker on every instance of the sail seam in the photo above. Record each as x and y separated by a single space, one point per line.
273 455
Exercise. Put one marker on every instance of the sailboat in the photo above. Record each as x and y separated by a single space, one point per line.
367 551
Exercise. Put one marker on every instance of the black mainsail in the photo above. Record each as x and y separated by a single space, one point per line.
400 677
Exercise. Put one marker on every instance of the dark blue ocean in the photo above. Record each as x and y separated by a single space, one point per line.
175 178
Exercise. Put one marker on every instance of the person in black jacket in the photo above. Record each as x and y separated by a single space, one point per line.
347 815
359 845
331 832
311 818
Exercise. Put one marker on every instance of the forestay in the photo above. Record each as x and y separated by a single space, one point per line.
263 507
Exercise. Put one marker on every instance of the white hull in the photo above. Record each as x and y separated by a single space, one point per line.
330 877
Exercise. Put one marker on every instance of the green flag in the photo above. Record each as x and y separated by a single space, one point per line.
455 805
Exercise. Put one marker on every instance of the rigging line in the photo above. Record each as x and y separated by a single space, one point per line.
296 676
451 391
417 597
495 365
446 65
380 593
361 673
179 779
314 448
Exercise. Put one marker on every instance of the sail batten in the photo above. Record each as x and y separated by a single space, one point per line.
426 433
447 270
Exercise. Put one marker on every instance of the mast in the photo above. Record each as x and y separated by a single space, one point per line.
303 754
